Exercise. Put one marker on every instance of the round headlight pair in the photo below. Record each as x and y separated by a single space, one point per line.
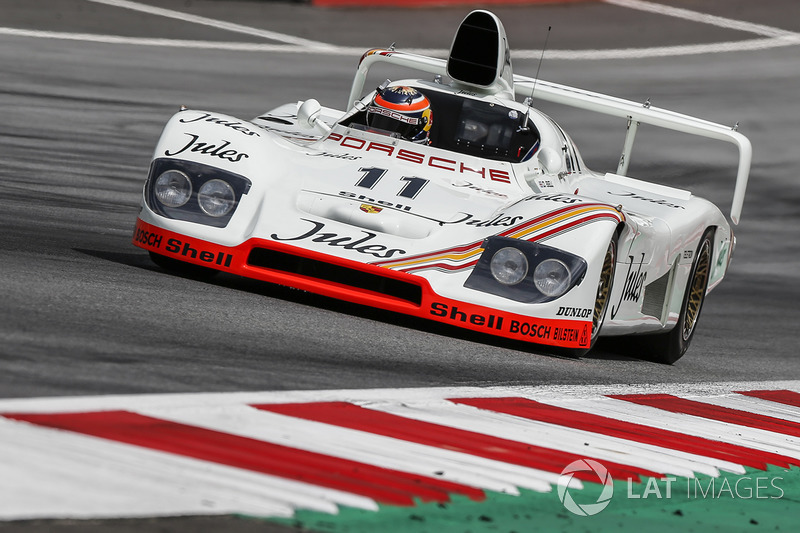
509 266
173 188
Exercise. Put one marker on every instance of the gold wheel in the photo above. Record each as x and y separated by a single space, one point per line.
604 289
697 290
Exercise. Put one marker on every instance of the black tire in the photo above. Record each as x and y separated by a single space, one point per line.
181 268
669 347
604 285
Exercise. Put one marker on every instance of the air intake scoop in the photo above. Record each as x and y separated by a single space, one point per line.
480 57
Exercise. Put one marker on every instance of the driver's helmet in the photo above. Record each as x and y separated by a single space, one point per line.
401 110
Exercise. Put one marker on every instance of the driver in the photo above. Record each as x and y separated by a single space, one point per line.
401 110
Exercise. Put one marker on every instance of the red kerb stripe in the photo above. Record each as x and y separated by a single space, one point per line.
355 417
381 484
674 404
551 414
785 397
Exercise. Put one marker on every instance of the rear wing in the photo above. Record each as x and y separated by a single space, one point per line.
645 113
634 113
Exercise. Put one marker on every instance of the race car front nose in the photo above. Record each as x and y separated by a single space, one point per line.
525 271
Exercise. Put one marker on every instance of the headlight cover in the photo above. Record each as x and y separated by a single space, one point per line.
173 188
549 272
509 266
216 198
185 190
552 278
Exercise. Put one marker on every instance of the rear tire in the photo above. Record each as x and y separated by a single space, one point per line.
669 347
181 268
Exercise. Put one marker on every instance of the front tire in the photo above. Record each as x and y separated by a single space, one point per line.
603 296
669 347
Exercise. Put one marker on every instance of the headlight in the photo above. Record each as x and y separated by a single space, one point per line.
216 198
525 271
552 278
509 266
173 188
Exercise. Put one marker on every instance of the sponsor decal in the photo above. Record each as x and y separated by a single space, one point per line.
634 282
221 150
577 312
455 314
658 201
393 115
359 245
500 220
561 198
185 249
472 187
207 117
383 203
348 157
688 254
544 331
370 208
147 238
411 156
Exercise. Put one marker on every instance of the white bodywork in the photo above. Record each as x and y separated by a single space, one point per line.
427 206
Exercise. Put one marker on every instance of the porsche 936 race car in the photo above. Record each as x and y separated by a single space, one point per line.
446 198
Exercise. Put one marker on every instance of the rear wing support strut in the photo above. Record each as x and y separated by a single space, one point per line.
627 148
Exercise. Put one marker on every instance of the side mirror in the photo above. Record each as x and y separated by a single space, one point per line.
550 160
308 115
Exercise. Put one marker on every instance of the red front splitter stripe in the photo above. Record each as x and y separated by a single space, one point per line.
574 334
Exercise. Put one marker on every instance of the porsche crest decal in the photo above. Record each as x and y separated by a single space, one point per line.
367 208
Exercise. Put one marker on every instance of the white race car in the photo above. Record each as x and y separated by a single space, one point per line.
447 198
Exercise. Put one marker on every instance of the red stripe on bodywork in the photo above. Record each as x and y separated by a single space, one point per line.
390 425
551 414
673 404
381 484
785 397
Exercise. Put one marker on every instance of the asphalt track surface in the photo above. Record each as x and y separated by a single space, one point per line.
84 312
